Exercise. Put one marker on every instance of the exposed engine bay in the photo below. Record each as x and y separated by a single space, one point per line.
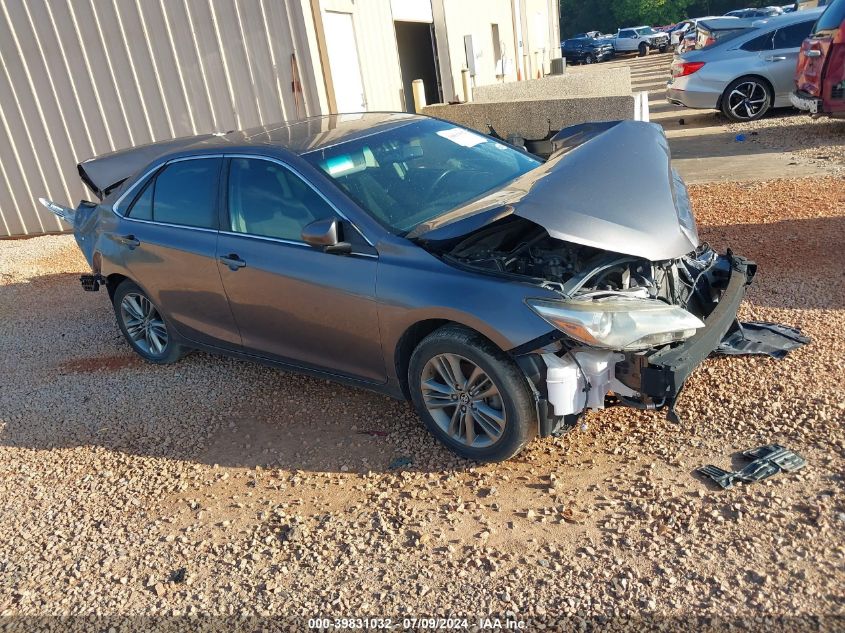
581 376
521 248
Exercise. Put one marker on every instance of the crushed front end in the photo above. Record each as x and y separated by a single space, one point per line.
578 377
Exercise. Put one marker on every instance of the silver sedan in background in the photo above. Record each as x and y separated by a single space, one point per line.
746 74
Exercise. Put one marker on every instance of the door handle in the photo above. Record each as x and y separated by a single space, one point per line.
129 240
233 261
776 58
812 53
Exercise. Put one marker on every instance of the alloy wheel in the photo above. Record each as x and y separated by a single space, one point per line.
144 324
463 400
747 99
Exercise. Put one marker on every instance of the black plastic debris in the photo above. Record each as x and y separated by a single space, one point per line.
758 337
400 462
767 461
178 575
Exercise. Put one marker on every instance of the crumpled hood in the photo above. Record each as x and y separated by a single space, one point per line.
610 187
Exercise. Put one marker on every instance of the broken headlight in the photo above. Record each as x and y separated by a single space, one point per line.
619 324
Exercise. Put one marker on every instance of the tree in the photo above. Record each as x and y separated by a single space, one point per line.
577 16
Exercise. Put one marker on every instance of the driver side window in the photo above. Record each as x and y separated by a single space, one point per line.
268 200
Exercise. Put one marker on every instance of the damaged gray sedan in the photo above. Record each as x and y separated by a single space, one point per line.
503 295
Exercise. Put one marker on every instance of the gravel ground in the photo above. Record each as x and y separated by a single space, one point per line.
219 487
820 141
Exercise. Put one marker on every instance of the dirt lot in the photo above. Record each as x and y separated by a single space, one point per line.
216 486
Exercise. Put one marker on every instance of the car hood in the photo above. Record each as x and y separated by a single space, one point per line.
609 186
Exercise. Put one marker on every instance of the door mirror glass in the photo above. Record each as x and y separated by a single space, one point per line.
326 234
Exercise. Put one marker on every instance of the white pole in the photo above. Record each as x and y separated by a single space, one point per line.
419 95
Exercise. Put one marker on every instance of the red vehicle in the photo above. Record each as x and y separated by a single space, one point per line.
820 75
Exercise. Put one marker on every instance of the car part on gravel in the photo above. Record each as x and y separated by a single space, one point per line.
760 338
767 461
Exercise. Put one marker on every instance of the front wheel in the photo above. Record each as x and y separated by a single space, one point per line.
589 59
746 99
663 48
471 395
144 327
643 49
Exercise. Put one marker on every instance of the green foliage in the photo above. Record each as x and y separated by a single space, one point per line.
577 16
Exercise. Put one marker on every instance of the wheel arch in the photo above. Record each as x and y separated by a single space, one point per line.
762 78
413 336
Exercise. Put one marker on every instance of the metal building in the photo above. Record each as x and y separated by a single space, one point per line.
80 78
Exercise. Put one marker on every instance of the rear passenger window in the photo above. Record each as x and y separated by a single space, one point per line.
762 43
792 36
186 193
142 208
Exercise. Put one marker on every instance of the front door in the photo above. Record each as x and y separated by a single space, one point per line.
294 302
343 61
168 243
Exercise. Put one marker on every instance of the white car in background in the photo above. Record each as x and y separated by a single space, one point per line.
641 39
684 27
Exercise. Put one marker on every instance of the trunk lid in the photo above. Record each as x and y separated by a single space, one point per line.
104 173
610 187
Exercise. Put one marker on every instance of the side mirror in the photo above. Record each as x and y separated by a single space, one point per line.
325 235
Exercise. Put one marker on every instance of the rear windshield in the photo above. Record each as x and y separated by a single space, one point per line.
831 18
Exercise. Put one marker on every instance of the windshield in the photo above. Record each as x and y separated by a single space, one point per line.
411 174
647 31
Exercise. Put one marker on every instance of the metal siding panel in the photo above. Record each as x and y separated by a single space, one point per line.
80 78
212 61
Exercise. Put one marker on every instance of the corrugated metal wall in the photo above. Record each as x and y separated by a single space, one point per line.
80 78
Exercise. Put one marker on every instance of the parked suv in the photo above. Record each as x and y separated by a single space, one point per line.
586 50
641 39
820 75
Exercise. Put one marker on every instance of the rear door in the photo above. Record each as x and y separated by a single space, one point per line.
167 242
292 301
782 60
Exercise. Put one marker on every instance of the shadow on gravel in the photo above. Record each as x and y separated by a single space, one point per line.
799 261
72 381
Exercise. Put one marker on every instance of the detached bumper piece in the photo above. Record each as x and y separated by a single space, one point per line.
768 460
91 283
668 369
760 338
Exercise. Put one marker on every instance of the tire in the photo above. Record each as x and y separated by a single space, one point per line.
492 428
746 99
152 337
643 49
590 59
663 48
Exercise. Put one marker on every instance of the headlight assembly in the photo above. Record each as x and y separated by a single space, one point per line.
619 324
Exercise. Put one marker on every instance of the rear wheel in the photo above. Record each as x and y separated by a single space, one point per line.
746 99
643 49
144 327
471 395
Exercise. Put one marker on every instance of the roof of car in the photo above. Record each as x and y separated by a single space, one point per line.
789 18
104 172
316 132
